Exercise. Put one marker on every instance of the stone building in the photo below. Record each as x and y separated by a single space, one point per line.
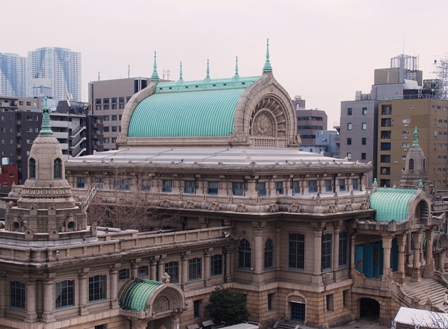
297 233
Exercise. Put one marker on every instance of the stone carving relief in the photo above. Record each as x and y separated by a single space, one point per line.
161 304
263 126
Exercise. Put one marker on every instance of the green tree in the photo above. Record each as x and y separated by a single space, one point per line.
228 306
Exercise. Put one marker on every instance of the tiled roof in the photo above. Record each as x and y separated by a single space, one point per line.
136 294
391 204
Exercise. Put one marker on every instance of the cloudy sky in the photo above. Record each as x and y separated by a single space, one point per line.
323 50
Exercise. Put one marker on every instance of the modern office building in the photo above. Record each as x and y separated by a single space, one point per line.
308 123
54 72
12 75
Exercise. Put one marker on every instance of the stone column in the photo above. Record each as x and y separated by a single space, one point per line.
152 268
401 241
258 253
429 264
184 269
47 314
230 251
161 267
207 266
134 268
2 294
31 314
251 186
317 256
387 245
113 270
336 253
83 291
417 239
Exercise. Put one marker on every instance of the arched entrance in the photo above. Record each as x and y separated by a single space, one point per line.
297 307
369 308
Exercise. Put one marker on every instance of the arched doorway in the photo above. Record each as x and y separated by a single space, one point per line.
369 308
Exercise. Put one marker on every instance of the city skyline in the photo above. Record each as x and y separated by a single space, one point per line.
324 51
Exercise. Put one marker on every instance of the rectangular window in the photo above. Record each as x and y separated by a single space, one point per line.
143 272
123 184
363 156
385 146
261 188
114 117
270 302
17 294
349 111
343 248
167 185
106 118
97 288
212 188
279 187
386 110
172 268
342 184
189 187
194 269
296 259
349 126
329 300
364 126
216 265
355 184
326 251
345 297
386 134
80 182
123 274
295 187
349 155
364 111
197 308
146 185
385 158
385 170
363 141
349 141
65 293
386 122
312 186
328 185
238 188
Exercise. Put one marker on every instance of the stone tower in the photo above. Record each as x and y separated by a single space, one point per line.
45 207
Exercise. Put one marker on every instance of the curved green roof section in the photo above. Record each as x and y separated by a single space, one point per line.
391 204
136 294
196 108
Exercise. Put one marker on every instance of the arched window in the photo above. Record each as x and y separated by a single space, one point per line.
32 170
424 164
268 254
16 226
411 164
244 254
57 168
71 226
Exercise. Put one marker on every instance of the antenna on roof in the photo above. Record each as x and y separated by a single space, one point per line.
180 74
129 71
99 76
208 71
236 69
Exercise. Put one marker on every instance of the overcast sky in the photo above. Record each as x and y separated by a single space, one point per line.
323 50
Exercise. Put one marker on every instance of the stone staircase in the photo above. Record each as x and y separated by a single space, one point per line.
427 288
284 324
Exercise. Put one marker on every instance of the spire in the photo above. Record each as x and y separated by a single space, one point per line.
208 71
236 69
180 74
46 126
155 75
415 143
267 65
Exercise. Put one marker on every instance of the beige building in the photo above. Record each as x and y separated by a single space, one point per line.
296 232
396 122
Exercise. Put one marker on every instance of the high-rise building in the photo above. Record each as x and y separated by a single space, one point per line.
12 75
54 72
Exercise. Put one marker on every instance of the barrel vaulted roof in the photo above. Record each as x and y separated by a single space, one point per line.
391 204
137 293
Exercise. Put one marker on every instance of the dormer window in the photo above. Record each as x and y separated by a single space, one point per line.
32 171
57 168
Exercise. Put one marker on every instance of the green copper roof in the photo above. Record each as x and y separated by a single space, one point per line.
391 204
188 109
136 294
46 126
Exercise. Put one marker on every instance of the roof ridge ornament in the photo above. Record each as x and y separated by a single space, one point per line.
267 65
181 80
46 126
208 71
155 75
236 76
415 143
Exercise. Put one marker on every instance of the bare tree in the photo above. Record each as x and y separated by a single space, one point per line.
123 200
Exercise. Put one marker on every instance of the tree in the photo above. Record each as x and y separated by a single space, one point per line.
228 306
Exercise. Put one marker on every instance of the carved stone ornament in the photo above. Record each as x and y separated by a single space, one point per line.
263 126
161 304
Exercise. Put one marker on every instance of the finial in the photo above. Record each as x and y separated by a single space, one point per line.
236 68
155 75
415 143
420 184
208 71
375 183
46 126
180 74
267 65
